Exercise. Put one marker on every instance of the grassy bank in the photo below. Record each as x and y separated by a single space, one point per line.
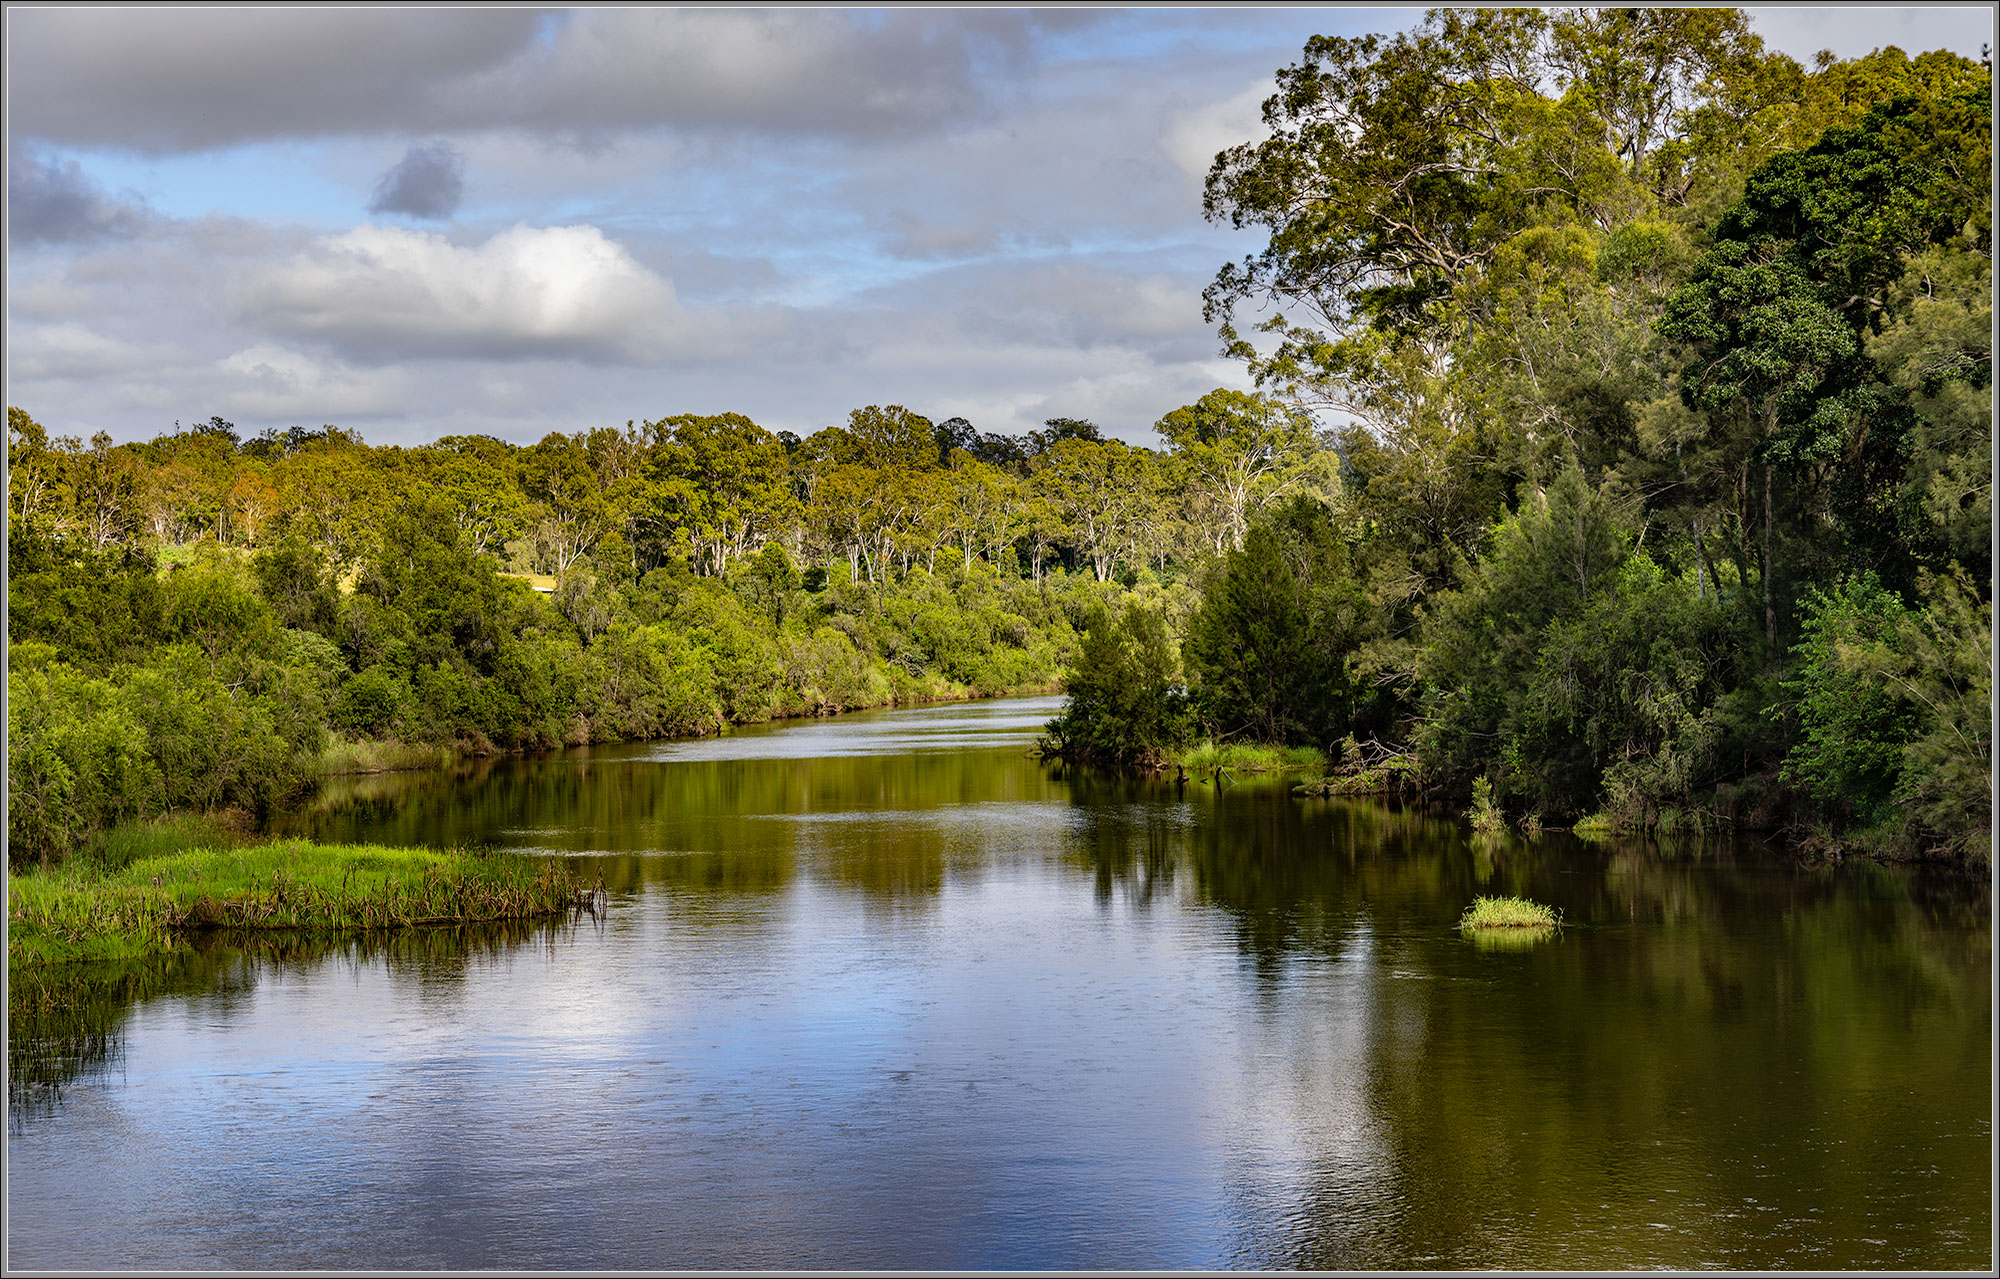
1205 757
89 909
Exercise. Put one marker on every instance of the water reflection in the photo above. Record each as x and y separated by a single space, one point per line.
879 993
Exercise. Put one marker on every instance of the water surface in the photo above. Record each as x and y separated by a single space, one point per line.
885 992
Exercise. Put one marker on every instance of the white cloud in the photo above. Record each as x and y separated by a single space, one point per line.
382 294
72 350
268 381
1193 136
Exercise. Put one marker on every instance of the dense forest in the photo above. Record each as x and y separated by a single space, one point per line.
1621 446
1663 372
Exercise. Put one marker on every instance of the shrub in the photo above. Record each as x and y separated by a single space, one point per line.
1125 702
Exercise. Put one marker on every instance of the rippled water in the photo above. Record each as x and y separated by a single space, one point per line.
884 992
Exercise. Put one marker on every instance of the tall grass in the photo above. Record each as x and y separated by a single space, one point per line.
366 756
1247 757
1512 913
89 912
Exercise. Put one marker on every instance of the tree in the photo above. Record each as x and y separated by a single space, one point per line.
716 485
480 478
1270 650
1124 700
1094 488
1776 316
557 473
1240 450
893 437
103 485
35 481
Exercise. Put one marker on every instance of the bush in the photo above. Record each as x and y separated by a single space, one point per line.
1574 671
1894 712
1125 700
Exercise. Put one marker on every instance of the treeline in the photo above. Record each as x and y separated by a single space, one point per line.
886 492
1666 371
205 621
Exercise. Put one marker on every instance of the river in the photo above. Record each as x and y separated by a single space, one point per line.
884 991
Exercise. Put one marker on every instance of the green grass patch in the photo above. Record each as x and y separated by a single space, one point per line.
86 911
1205 757
140 840
343 756
1509 914
1595 826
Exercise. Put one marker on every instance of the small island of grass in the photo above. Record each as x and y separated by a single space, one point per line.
1517 914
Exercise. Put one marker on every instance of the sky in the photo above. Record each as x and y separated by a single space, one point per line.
419 222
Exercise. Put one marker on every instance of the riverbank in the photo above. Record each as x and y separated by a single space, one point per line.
87 910
353 757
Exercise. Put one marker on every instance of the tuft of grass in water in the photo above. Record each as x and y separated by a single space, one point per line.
1206 756
80 911
1509 913
343 756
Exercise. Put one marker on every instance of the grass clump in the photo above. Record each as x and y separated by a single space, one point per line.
87 910
1509 913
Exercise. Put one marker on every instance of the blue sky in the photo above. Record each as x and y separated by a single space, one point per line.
586 217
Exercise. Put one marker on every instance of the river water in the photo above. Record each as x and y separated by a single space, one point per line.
884 991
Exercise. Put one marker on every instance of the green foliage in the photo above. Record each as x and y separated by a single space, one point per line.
1269 651
86 751
96 606
1573 667
295 579
1893 706
1125 700
1851 725
1485 815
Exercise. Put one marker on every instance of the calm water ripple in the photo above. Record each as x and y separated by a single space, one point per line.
884 992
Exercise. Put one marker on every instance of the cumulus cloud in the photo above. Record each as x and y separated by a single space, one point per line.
380 294
52 201
188 79
428 182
